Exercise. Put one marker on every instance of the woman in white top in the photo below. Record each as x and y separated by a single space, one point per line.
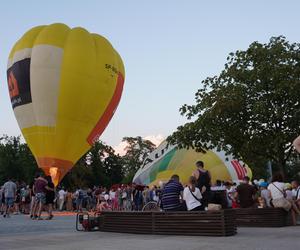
192 196
279 200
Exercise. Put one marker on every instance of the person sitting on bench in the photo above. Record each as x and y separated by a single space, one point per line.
193 196
279 199
171 195
246 193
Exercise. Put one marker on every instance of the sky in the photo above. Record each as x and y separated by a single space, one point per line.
168 48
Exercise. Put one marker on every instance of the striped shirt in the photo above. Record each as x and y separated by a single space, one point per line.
170 197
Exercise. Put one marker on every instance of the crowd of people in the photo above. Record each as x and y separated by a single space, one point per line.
41 195
198 195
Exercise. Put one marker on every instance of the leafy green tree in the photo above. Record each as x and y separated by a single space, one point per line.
99 166
79 176
251 109
137 150
106 166
16 160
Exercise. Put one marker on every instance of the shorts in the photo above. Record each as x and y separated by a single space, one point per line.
282 203
40 197
79 202
9 201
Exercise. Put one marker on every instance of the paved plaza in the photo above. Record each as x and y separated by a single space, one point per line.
19 232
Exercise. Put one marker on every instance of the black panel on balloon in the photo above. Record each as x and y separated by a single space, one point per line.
18 78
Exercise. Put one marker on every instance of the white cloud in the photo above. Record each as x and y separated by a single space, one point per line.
155 139
120 148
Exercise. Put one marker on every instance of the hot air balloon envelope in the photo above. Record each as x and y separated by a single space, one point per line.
65 85
167 160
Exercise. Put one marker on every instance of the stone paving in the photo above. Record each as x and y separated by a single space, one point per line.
19 232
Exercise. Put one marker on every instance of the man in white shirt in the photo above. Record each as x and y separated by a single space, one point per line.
61 198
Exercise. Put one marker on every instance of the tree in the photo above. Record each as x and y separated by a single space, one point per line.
137 150
251 109
106 166
99 166
16 160
79 176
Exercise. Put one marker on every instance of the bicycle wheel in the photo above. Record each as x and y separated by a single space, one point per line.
151 206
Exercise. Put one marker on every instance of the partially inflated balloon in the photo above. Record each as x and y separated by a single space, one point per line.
167 160
65 85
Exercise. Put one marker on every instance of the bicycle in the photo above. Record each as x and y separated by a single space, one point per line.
151 206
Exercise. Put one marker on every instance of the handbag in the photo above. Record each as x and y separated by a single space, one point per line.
214 207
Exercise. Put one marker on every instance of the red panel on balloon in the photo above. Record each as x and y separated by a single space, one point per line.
108 113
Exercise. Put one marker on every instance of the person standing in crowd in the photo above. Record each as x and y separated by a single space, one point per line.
89 199
40 185
85 200
50 197
138 197
17 202
79 199
112 195
128 206
61 199
229 193
152 193
203 178
124 198
296 192
171 195
25 199
278 196
69 201
146 195
23 193
119 196
9 190
192 196
246 194
32 198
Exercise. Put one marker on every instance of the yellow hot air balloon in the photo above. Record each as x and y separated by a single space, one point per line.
65 85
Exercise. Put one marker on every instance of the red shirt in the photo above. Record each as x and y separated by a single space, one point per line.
40 185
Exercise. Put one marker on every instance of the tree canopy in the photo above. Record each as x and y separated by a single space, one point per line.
16 160
251 109
101 165
137 150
